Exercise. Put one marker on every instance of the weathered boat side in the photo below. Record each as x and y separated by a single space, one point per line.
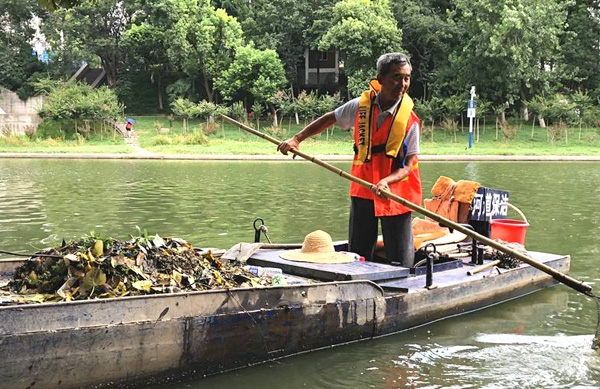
456 293
133 338
124 341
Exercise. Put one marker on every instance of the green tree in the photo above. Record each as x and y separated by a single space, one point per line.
185 109
454 106
280 26
429 111
579 45
254 72
147 39
500 113
203 41
18 63
510 49
92 28
71 103
362 30
257 111
582 103
539 106
427 36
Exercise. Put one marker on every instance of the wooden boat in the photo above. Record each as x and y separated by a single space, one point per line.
156 338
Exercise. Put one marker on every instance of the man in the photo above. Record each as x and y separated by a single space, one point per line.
386 145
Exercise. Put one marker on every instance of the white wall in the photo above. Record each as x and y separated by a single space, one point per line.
19 114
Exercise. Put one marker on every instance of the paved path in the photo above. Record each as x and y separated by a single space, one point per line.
132 141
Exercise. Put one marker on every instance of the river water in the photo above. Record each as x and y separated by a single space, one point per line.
541 340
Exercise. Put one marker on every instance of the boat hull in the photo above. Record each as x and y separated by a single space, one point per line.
125 341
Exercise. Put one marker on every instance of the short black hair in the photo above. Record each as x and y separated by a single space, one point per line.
385 62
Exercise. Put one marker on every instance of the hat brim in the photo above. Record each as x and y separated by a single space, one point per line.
299 256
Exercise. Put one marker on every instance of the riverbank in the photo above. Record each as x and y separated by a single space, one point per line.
270 157
158 138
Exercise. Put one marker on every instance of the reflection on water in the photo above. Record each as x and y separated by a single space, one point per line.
542 340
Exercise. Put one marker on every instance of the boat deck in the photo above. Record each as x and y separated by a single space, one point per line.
457 276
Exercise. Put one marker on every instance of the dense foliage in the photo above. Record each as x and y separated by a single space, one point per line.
516 52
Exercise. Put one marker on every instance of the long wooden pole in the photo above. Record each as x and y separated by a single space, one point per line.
561 277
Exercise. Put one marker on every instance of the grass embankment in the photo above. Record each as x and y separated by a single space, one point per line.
228 139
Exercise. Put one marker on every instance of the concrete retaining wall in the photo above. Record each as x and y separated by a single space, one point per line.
20 115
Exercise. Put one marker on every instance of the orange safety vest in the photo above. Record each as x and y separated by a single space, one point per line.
377 150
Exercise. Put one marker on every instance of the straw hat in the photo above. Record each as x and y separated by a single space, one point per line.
317 248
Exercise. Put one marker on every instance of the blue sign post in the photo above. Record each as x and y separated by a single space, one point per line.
471 114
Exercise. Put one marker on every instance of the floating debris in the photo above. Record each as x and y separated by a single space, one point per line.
106 268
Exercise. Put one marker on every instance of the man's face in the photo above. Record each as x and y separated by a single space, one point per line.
396 82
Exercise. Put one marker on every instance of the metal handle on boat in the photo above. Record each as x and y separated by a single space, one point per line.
561 277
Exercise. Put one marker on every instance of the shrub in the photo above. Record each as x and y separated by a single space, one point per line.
209 128
450 126
15 141
427 132
70 102
197 138
30 131
508 131
6 131
556 131
79 138
239 112
51 142
161 140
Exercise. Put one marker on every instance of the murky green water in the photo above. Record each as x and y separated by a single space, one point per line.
542 340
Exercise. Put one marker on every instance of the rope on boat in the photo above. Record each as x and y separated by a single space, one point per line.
265 232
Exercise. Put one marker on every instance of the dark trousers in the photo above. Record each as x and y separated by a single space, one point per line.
397 233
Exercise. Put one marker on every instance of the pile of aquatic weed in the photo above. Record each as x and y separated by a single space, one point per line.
106 268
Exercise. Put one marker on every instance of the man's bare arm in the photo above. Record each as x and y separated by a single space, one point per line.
314 128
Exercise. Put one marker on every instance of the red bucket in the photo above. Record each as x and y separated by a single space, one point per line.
509 230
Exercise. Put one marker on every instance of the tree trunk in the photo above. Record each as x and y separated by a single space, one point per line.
275 122
542 121
525 113
533 128
207 88
159 86
293 97
496 128
524 110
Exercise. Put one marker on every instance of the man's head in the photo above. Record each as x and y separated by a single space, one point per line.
393 73
385 62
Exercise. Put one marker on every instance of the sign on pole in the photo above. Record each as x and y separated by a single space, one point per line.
471 114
